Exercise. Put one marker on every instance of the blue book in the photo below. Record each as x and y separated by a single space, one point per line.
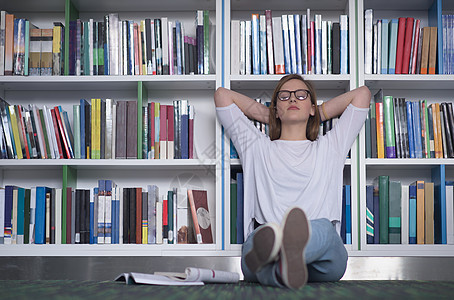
318 43
8 213
117 217
376 200
184 130
40 216
412 214
113 210
20 215
108 223
348 211
101 205
411 139
255 44
285 34
240 209
370 214
263 53
439 180
393 26
384 46
417 129
178 46
435 20
344 44
131 67
343 230
299 64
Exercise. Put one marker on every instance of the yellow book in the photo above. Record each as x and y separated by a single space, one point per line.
98 128
144 230
380 130
17 143
56 51
439 132
144 47
93 128
157 111
420 213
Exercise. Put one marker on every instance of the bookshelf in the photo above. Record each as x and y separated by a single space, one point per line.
433 88
214 166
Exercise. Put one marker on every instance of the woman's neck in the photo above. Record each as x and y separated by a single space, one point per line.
294 132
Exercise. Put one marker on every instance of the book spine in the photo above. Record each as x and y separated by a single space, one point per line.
206 42
388 113
368 41
263 52
286 44
279 65
415 47
344 44
269 41
400 44
407 45
255 44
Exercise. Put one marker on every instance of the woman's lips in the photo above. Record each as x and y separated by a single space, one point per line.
293 108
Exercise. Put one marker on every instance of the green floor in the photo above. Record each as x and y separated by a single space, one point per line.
71 289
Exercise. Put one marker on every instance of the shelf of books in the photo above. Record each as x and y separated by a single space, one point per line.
109 137
406 144
263 42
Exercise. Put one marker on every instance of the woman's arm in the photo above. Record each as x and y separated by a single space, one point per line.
359 97
251 108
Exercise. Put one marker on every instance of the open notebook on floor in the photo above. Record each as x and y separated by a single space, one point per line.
191 276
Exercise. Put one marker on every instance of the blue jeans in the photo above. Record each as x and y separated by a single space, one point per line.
325 255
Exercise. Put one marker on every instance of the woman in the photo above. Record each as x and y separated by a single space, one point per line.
292 178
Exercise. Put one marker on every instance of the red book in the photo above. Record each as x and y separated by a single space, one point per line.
191 132
170 133
163 132
57 132
21 126
312 47
138 215
152 129
62 131
400 45
201 215
407 45
414 57
68 214
165 219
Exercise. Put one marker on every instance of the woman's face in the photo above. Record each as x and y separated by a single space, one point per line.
293 110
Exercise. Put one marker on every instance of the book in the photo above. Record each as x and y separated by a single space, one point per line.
202 215
395 225
191 276
368 19
400 44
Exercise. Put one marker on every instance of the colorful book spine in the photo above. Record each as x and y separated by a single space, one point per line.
388 112
393 29
412 214
255 44
344 44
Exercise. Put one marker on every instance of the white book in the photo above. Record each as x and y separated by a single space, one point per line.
379 47
248 48
405 225
2 216
450 214
58 219
153 198
51 133
182 214
329 35
375 49
344 44
324 47
368 40
269 41
109 129
304 44
235 47
39 130
286 44
120 216
292 41
299 65
318 44
31 235
175 201
108 212
153 48
2 42
170 48
278 46
114 67
242 64
101 215
159 213
120 50
165 45
114 129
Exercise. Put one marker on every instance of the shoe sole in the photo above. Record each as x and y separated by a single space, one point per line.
265 248
295 235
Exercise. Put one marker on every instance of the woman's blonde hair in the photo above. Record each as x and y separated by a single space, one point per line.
313 124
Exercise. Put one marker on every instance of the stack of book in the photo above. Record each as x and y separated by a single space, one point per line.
102 129
396 128
106 214
291 43
108 47
403 46
408 214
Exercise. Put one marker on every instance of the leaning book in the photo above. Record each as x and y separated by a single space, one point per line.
191 276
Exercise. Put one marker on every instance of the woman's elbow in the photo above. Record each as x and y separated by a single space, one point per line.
363 98
221 97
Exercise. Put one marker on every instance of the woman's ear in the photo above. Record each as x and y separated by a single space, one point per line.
312 113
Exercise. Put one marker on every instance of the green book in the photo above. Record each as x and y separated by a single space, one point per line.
395 192
388 123
206 42
71 14
383 185
76 121
233 207
46 140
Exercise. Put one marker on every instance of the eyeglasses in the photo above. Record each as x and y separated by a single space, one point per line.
299 94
